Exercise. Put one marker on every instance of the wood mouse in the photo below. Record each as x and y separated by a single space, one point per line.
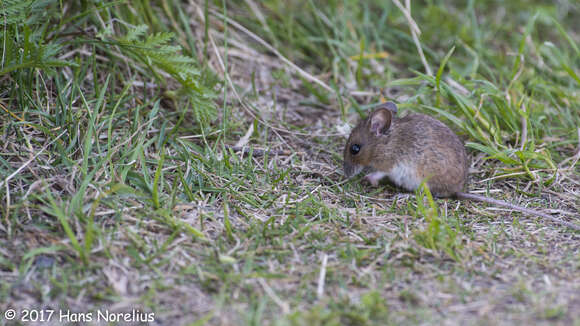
411 149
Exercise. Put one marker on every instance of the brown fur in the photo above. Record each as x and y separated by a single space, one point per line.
415 140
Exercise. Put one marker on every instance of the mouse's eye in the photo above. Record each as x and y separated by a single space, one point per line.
354 149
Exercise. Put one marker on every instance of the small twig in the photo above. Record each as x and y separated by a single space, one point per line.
563 196
524 122
256 10
415 31
244 105
321 277
521 209
114 211
407 14
305 196
458 87
18 171
31 160
257 152
273 50
246 138
273 296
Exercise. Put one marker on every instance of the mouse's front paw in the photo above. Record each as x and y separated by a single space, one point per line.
375 177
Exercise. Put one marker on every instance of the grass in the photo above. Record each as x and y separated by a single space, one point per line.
184 158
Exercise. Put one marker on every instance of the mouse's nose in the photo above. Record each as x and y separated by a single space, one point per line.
351 169
348 169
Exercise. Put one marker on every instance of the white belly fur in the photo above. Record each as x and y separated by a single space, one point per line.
405 176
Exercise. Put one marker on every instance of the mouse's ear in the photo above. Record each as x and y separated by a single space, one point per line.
389 106
380 121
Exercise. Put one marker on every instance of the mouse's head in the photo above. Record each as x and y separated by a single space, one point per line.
358 152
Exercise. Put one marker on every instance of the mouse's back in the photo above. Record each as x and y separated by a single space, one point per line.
434 150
